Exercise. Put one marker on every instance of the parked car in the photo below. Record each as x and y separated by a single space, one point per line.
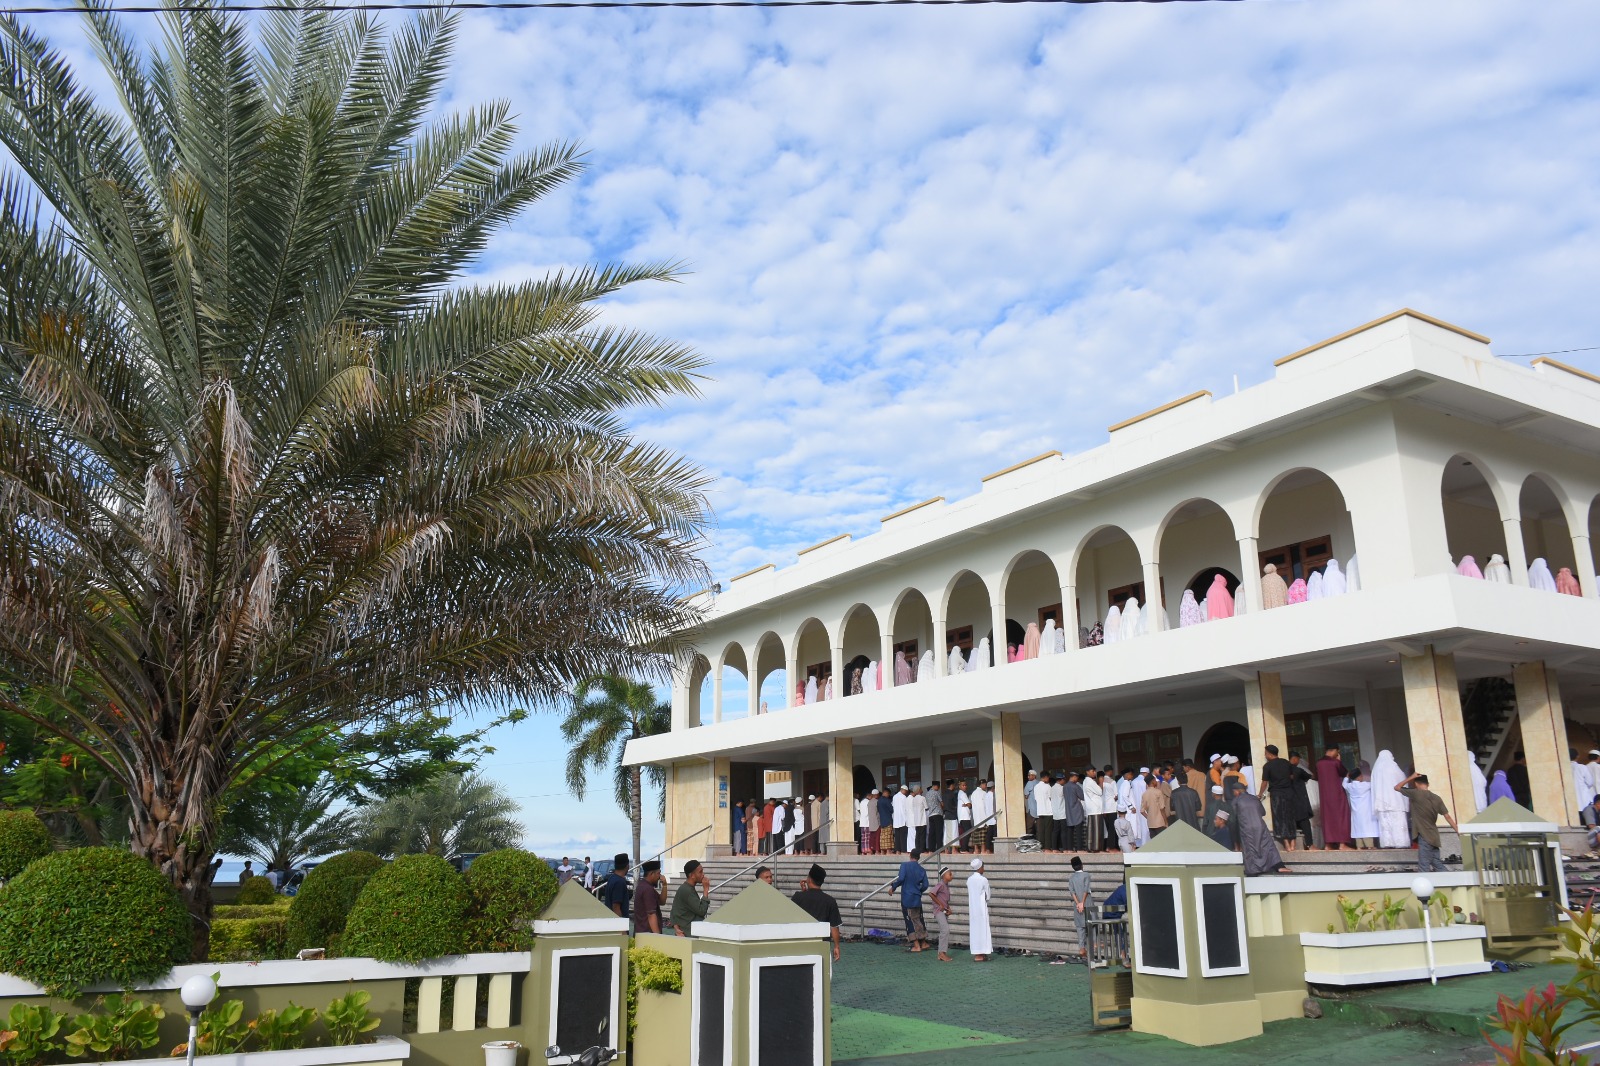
464 861
602 870
297 877
579 868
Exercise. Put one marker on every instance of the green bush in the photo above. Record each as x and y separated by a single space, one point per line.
318 913
279 909
249 939
653 970
118 1028
412 909
507 889
23 838
91 915
257 892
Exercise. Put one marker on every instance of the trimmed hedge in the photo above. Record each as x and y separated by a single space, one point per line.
257 891
23 838
508 889
234 910
91 915
318 913
250 939
414 908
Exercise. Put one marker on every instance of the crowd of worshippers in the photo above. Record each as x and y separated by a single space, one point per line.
960 817
792 826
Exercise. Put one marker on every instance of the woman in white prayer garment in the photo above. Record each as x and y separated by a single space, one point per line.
1539 576
1314 589
1394 824
980 656
1061 641
1047 638
1189 613
1333 582
811 691
1480 784
1147 621
1497 571
1113 626
1130 619
979 940
958 665
869 677
1352 576
1363 819
925 666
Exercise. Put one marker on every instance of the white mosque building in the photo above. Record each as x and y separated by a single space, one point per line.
1363 473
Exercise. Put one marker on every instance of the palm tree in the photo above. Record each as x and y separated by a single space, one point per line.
285 828
455 814
267 469
607 711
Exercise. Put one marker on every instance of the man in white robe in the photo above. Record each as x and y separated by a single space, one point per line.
1141 824
780 825
983 815
979 939
797 826
1091 806
902 814
917 819
964 815
1583 785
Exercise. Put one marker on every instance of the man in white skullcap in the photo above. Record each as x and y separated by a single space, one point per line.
902 818
1216 771
1141 828
797 827
979 939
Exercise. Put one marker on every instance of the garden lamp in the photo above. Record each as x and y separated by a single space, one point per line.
1422 888
197 993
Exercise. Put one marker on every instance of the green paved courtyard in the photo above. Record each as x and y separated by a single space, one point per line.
888 1005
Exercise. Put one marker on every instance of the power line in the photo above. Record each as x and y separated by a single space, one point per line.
526 5
1563 351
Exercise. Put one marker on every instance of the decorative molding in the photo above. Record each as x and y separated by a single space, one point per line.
1286 884
386 1049
699 958
752 573
315 972
1206 969
1547 361
823 543
1497 828
1018 466
1441 323
1179 402
746 934
914 507
1380 937
1183 858
569 926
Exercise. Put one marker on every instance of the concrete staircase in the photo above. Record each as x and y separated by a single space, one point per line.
1030 907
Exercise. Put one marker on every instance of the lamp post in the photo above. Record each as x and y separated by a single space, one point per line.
1423 889
197 993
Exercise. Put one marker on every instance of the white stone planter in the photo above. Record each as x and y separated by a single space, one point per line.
501 1053
385 1051
1392 955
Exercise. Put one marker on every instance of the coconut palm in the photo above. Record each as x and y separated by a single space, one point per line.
284 828
607 711
452 815
267 467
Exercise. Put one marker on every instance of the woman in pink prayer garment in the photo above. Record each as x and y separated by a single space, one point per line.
800 695
902 669
1274 593
1297 591
1013 652
1468 567
1566 583
1219 601
1030 641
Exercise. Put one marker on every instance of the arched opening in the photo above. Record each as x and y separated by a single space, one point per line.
1197 536
1545 534
1472 523
1303 526
862 780
911 624
815 656
771 674
1224 738
862 646
1033 597
1594 533
735 684
699 690
1109 573
968 618
1027 768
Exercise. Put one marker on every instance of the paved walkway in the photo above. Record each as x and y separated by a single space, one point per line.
1022 1011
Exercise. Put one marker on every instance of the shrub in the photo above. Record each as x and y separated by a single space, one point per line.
318 913
280 909
348 1018
91 915
250 939
23 838
412 909
283 1030
507 889
118 1028
653 970
257 892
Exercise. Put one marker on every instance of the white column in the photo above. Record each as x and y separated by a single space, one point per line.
841 684
1585 555
791 678
941 654
1152 593
998 613
1516 554
886 658
1069 615
1248 599
716 696
753 700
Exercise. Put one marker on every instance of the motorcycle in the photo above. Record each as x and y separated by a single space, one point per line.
595 1056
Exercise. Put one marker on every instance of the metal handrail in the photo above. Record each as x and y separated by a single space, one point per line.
669 847
860 904
763 860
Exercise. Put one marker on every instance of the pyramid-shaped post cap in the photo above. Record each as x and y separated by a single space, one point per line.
1181 844
574 911
1507 816
760 912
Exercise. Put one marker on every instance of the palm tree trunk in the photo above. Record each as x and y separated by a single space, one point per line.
171 823
635 810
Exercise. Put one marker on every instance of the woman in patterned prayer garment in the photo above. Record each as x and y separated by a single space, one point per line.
1030 641
1497 571
829 694
1130 619
1274 593
925 666
1314 585
800 695
1468 567
1094 636
1047 637
980 656
1112 631
1189 611
1539 576
1297 591
958 665
1566 583
1061 641
1352 576
1219 601
902 669
855 681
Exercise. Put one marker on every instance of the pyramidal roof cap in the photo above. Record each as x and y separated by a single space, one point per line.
1181 844
575 911
760 912
1508 816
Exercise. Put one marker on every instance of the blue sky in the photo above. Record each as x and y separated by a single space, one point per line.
925 243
